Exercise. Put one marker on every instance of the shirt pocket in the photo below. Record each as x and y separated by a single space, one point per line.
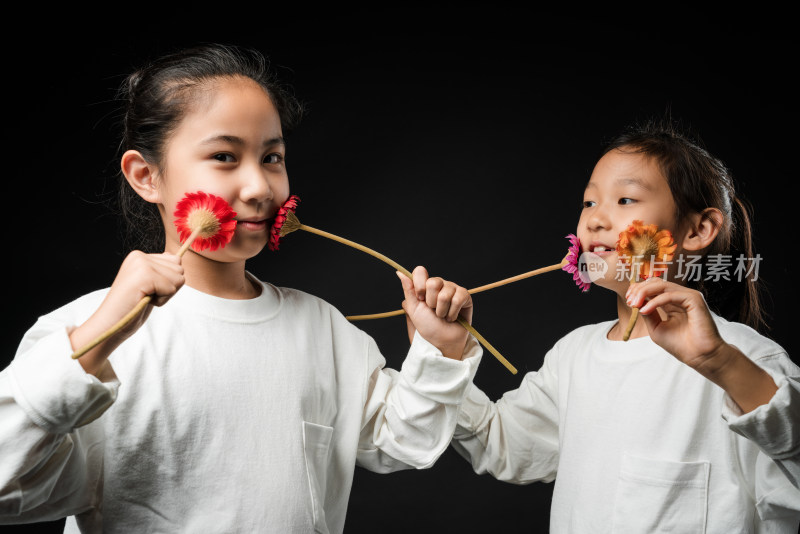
661 496
316 448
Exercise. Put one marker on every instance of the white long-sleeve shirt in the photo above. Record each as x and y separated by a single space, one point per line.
638 442
219 416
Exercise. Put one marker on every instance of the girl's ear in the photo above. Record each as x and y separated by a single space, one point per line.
141 175
703 229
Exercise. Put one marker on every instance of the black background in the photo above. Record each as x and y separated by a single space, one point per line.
457 138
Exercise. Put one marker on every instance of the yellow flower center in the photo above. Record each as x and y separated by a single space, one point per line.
643 246
205 219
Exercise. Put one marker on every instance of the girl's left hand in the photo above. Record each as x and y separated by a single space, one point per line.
432 307
688 331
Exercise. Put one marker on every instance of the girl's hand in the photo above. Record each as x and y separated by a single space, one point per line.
679 320
157 275
686 330
432 307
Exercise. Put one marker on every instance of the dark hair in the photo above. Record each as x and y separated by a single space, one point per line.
698 181
158 95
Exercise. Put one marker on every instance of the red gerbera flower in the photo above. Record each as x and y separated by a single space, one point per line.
209 216
571 265
275 231
203 221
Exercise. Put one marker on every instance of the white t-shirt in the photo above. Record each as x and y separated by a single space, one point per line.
219 416
638 442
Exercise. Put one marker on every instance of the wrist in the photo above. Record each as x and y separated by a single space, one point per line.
718 362
93 360
743 380
454 351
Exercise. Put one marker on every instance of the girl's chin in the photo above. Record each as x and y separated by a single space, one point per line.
233 253
619 287
247 246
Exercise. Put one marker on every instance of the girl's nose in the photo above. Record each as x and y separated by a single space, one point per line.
599 219
256 186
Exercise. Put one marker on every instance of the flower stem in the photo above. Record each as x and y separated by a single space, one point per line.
522 276
406 272
367 317
355 245
634 315
488 345
189 241
470 291
141 305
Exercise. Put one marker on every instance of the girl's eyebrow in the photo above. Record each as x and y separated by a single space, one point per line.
235 140
632 180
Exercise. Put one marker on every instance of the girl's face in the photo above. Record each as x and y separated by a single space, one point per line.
623 187
229 144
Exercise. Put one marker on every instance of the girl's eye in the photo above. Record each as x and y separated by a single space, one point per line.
225 158
588 203
273 158
626 200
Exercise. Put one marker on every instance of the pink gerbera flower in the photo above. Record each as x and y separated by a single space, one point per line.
209 217
275 231
571 265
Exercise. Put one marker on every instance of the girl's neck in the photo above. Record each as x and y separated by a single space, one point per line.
221 279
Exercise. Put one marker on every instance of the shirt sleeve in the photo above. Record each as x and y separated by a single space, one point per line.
410 415
775 429
50 455
516 438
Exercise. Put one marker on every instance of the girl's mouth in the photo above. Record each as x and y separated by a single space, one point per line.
253 226
601 250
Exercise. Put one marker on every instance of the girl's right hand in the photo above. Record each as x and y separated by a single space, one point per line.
432 306
157 275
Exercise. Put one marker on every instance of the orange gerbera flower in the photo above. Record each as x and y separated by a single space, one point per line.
646 248
207 215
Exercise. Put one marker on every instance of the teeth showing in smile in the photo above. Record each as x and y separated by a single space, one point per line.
601 249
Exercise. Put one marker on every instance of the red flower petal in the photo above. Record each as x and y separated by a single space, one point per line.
280 218
216 207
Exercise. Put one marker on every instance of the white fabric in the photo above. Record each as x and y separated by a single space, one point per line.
638 442
219 416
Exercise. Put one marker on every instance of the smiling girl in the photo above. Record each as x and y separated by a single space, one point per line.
237 406
692 425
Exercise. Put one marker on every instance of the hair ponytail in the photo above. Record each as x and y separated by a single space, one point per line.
751 309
